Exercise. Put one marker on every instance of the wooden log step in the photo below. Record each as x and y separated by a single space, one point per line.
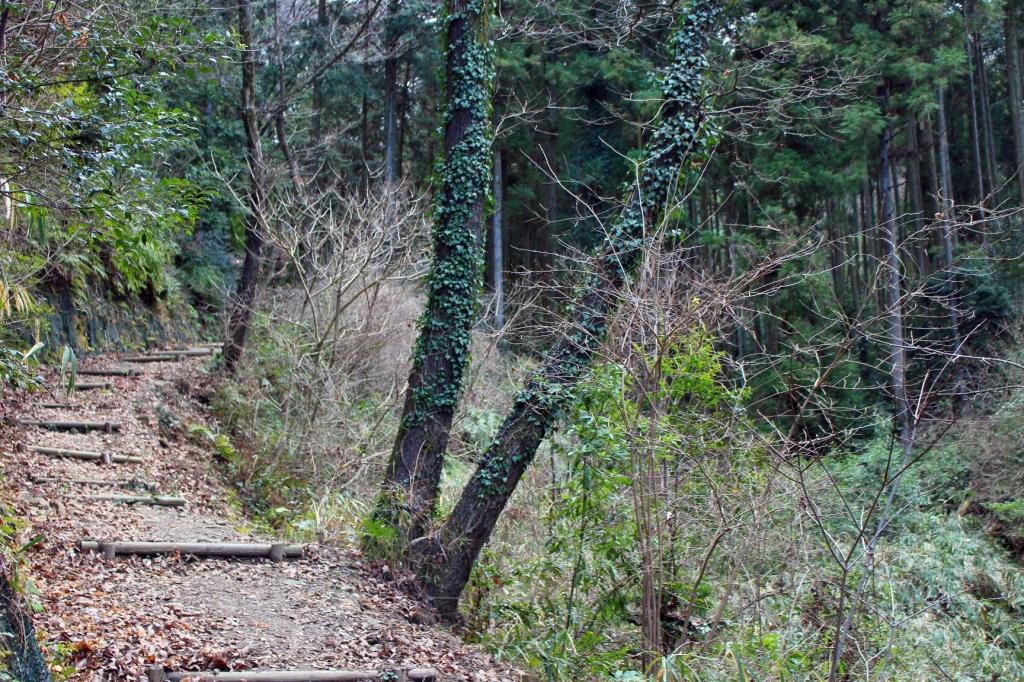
104 457
276 551
55 406
91 385
110 372
101 482
107 427
163 357
153 500
185 352
158 674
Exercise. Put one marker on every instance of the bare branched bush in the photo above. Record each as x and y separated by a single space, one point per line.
334 332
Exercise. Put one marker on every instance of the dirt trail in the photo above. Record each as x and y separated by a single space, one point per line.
110 620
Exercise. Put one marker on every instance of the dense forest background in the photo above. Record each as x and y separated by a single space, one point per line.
789 448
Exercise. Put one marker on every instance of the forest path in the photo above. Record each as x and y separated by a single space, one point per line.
111 619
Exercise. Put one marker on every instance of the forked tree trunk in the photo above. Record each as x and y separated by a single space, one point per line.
441 353
444 561
248 280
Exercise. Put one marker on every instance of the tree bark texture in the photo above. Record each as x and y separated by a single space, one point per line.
441 353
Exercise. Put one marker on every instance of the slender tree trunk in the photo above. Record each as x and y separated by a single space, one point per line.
894 296
444 562
1016 91
248 280
281 129
855 255
898 380
915 193
403 116
318 50
985 114
931 168
945 194
441 354
836 266
975 127
948 217
497 259
364 136
391 94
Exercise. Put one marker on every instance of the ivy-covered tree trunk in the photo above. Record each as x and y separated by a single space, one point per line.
441 353
20 657
443 563
248 279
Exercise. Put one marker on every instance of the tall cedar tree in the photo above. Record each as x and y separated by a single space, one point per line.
443 563
441 354
248 280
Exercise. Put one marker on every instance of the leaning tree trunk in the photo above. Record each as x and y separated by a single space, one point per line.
410 488
248 280
20 657
443 563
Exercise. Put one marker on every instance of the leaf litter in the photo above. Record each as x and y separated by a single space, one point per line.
111 620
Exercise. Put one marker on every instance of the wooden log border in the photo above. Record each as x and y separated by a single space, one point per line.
152 500
107 483
159 674
198 549
58 425
103 457
163 357
91 385
189 352
111 372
